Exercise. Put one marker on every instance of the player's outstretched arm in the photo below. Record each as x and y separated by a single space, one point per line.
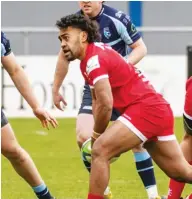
60 73
22 83
20 79
103 105
139 50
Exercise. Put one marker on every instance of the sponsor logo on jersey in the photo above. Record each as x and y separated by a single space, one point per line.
119 14
92 64
133 28
107 32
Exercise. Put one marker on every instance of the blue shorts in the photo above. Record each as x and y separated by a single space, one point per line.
4 120
86 105
187 124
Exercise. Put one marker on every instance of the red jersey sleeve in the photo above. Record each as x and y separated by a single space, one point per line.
96 69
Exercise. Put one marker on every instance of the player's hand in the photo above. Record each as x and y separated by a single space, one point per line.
45 118
58 99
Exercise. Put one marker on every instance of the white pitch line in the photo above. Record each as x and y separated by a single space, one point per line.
41 133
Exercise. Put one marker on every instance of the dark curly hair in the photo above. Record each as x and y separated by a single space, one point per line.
83 23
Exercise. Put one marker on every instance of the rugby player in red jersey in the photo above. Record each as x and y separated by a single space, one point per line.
118 31
145 117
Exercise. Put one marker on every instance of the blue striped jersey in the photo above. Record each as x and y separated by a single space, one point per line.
116 29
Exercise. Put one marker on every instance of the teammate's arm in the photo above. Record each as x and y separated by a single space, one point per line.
103 105
20 79
60 73
22 83
132 38
139 50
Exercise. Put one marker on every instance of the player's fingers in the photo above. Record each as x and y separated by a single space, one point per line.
64 102
46 123
52 121
53 124
58 106
42 123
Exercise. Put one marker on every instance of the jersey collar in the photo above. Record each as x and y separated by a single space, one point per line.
100 13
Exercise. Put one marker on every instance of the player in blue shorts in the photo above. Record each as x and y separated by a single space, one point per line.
10 148
119 32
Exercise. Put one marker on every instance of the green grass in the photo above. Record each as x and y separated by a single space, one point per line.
58 159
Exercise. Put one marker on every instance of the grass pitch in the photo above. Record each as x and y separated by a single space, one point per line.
57 157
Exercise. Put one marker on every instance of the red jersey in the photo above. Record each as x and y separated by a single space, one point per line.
188 98
129 86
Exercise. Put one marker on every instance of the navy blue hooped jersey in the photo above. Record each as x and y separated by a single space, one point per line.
5 45
116 29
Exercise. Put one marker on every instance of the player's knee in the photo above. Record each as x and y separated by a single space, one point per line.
181 175
96 152
99 150
12 152
82 136
181 178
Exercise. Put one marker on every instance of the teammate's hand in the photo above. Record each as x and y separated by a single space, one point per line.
57 99
45 118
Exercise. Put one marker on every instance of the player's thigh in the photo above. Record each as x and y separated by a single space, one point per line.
186 146
85 121
84 125
9 143
138 124
149 122
8 139
118 138
168 156
115 115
